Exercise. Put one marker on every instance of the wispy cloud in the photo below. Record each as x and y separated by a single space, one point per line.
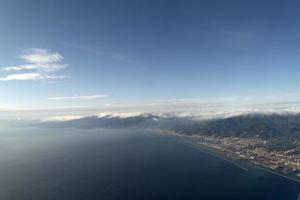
30 76
39 64
89 97
117 56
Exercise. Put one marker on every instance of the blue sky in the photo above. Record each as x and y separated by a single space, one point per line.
95 53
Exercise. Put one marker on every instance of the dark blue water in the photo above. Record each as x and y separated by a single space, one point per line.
73 164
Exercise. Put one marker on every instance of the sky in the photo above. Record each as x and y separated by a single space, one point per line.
103 54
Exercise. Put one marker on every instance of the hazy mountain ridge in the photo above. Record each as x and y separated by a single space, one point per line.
248 125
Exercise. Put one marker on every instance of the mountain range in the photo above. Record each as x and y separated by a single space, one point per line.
247 125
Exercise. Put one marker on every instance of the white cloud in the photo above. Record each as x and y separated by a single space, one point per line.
40 64
30 76
41 56
197 110
90 97
45 67
62 118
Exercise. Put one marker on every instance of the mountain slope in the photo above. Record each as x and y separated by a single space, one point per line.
251 125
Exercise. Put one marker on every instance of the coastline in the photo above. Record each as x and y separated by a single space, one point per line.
215 154
274 172
237 163
190 141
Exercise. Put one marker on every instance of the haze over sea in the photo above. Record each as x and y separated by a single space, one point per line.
116 164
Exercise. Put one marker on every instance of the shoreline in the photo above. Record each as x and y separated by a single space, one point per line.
189 140
215 154
237 163
274 172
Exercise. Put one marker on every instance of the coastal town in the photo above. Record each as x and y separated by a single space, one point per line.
256 151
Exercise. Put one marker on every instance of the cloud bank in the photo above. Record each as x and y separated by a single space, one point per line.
182 108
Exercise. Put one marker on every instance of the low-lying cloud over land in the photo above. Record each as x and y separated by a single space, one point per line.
182 108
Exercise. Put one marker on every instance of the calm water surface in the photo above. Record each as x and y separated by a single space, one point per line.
58 164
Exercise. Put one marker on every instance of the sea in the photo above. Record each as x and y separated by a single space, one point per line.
78 164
